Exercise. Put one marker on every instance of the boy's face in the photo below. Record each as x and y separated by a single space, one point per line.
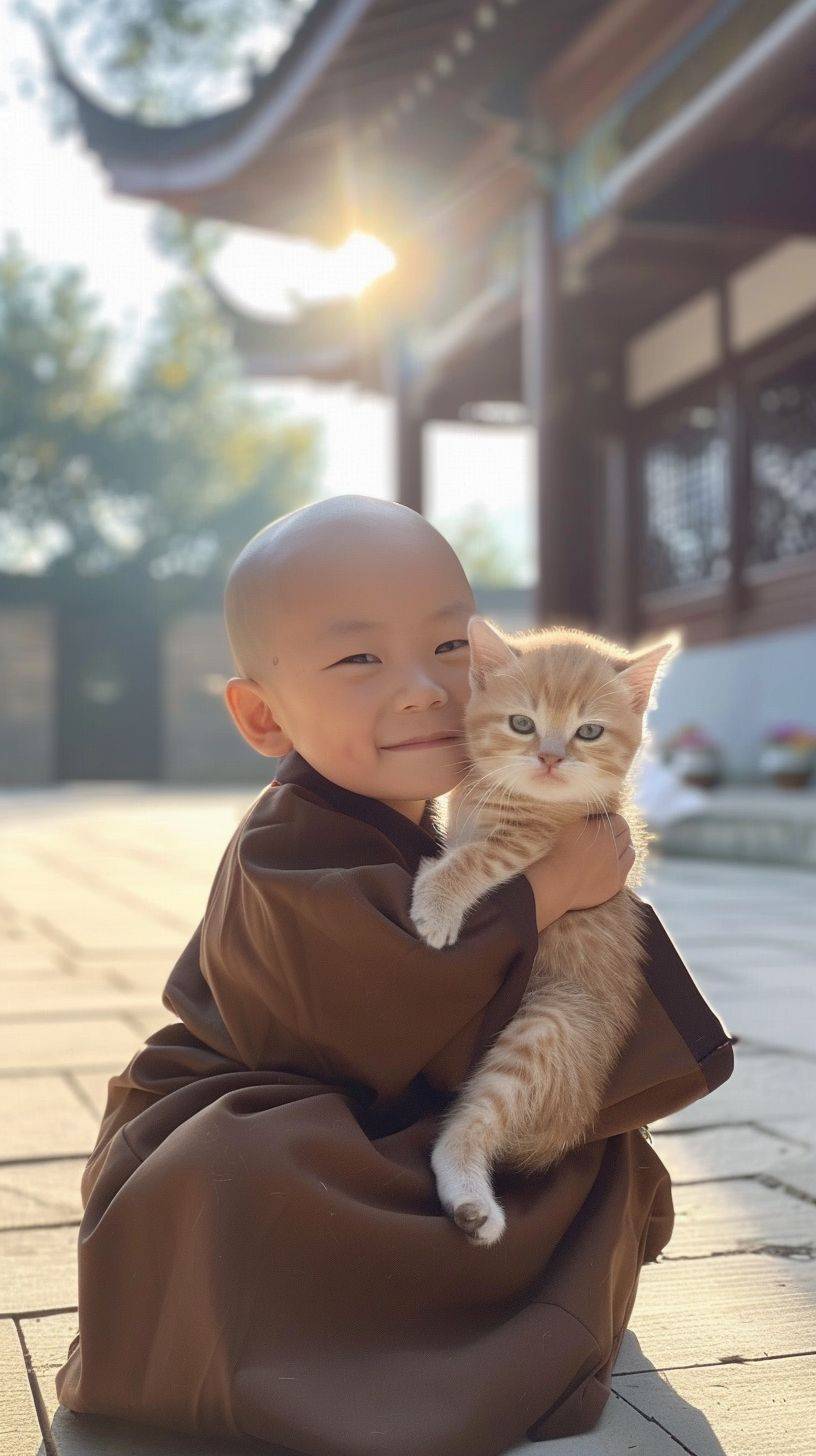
346 696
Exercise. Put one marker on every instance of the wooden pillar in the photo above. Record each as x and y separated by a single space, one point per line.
620 509
408 424
619 566
734 415
565 589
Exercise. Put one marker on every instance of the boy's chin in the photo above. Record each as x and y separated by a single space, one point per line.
431 785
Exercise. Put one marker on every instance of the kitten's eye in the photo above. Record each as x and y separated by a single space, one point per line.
589 731
520 723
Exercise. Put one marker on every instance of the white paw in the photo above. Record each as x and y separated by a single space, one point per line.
466 1195
482 1220
435 914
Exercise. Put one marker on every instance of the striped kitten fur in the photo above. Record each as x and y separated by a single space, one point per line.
537 1090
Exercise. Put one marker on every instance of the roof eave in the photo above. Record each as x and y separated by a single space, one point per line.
179 163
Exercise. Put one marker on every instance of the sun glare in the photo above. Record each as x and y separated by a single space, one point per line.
357 262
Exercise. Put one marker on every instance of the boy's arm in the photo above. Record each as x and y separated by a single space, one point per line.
588 864
322 970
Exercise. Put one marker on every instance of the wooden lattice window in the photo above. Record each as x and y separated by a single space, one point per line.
685 535
782 424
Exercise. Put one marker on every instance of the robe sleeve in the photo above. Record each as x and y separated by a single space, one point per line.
678 1049
310 954
322 970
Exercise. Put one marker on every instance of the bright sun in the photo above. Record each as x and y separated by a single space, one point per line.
357 262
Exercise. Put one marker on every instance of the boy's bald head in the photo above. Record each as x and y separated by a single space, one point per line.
306 555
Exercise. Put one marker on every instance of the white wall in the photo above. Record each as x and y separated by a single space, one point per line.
737 689
682 345
765 296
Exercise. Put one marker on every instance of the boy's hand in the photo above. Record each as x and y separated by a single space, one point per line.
587 865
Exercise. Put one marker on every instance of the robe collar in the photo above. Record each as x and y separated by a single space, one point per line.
413 841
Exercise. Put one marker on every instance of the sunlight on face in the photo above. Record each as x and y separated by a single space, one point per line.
353 694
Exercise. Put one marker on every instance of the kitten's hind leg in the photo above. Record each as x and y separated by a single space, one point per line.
461 1162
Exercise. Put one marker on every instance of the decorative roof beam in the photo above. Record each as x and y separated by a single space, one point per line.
780 57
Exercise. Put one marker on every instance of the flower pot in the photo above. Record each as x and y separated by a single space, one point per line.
787 767
698 766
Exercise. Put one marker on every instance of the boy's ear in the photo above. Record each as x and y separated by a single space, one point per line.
254 718
641 672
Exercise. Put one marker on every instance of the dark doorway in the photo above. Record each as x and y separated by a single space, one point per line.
108 681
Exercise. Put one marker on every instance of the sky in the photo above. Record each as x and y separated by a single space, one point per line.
56 197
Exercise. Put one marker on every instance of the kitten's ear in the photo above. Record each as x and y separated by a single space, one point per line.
488 652
640 673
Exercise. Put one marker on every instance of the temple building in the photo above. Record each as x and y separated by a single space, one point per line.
603 214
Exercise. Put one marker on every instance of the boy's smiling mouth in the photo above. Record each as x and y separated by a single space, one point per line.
434 741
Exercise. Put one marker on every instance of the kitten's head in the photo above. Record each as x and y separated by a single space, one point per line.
557 713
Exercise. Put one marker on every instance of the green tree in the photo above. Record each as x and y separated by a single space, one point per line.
169 471
166 61
479 549
56 400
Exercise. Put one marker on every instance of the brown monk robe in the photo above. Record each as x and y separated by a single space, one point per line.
262 1249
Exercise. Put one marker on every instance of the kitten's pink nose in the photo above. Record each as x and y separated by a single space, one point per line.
551 750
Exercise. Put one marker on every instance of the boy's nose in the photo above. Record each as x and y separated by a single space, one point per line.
425 693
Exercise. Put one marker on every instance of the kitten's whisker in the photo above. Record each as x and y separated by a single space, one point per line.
498 770
595 799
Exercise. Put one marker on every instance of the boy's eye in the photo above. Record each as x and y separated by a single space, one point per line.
355 656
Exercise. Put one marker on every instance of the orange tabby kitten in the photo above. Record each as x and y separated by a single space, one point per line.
551 730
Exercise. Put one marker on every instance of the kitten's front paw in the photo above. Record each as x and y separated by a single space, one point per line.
434 911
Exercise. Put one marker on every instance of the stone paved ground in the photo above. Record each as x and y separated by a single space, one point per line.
100 887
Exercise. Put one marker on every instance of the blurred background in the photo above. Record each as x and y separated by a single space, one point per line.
546 273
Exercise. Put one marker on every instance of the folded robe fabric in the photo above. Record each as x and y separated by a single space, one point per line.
262 1251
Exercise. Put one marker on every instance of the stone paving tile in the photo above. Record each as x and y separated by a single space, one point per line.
56 994
764 1408
95 1042
40 1193
722 1152
727 1217
20 1433
764 1087
801 1127
38 1270
137 973
94 1086
765 1021
40 957
800 1173
43 1117
699 1311
77 912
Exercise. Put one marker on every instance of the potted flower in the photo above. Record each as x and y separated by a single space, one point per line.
788 755
694 756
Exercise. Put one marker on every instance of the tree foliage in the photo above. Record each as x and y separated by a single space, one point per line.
167 61
171 469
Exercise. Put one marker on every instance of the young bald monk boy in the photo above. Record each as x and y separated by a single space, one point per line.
262 1251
